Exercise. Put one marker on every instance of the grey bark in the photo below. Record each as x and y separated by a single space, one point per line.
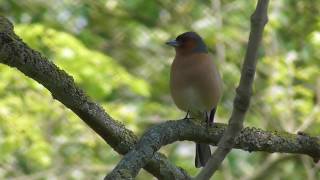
15 53
250 139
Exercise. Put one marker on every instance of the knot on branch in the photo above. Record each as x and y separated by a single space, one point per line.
260 16
242 99
258 20
249 72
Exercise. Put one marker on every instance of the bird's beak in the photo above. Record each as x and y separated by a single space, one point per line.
173 43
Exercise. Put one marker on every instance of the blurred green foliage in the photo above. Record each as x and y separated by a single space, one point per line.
115 51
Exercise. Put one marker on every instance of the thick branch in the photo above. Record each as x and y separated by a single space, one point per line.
250 139
242 100
15 53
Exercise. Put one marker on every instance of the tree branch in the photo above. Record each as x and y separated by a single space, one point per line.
250 139
242 100
15 53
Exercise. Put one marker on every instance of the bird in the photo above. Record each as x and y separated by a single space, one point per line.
195 84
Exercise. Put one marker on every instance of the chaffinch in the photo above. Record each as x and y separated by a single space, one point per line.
195 84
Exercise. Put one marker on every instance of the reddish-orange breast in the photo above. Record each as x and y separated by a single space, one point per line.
195 82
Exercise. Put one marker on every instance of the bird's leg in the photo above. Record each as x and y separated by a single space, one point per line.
211 118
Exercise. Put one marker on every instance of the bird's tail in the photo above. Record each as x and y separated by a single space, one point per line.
203 154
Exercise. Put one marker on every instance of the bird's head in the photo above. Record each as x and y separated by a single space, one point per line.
188 42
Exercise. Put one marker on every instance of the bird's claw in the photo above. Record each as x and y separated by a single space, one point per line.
188 118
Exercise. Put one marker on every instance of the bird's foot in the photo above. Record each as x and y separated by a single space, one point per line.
188 116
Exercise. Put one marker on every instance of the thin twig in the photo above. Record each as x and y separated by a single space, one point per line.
241 103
